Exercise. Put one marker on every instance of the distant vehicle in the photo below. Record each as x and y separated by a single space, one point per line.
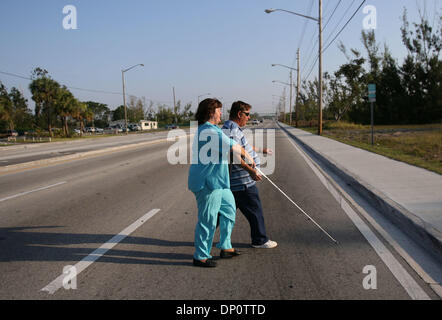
9 133
254 121
134 127
99 130
77 131
12 133
118 129
90 129
171 126
110 130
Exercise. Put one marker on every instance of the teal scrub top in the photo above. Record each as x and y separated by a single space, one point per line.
210 159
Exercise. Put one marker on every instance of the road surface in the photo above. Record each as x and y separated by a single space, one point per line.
126 221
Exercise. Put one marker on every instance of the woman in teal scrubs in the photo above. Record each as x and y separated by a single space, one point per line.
209 181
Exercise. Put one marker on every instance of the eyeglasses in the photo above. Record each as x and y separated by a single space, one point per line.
247 114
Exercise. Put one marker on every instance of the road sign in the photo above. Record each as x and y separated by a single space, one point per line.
372 99
372 92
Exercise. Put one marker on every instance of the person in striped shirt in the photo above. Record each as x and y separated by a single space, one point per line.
243 177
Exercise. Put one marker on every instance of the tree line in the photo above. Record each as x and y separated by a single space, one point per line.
57 111
407 93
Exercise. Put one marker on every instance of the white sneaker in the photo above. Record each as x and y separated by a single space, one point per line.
268 245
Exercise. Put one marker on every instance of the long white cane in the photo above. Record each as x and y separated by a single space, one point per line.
310 218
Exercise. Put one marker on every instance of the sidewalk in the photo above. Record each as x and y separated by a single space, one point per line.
408 196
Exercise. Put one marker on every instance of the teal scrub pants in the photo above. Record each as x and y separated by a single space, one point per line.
210 203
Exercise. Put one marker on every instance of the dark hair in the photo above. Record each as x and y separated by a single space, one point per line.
206 109
237 107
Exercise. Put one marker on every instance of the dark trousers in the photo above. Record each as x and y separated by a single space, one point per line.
249 203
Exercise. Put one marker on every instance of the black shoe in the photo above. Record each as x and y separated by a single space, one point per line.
208 264
229 254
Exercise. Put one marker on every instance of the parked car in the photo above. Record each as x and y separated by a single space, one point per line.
110 130
8 133
90 129
12 133
255 121
134 127
117 128
77 131
171 126
99 130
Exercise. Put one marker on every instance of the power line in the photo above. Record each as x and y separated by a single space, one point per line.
87 90
316 43
343 16
303 30
337 35
344 25
332 15
75 88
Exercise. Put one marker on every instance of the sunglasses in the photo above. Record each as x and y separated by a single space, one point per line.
247 113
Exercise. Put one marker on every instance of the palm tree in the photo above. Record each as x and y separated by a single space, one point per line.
44 92
6 107
88 114
65 107
77 113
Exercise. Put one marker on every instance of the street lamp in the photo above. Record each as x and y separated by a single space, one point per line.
291 85
287 84
319 20
278 109
124 91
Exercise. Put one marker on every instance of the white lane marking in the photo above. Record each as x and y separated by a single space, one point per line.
408 283
31 191
94 256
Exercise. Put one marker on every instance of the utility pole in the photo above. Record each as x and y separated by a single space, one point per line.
297 91
124 92
320 70
174 106
319 20
124 101
291 86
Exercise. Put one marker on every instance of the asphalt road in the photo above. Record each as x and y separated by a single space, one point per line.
59 215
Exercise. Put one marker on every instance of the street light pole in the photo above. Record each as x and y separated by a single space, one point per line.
291 85
287 84
320 70
124 99
291 96
174 106
124 92
320 86
297 92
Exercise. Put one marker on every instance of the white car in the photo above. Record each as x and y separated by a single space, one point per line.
254 121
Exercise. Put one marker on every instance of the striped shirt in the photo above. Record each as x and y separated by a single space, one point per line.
240 179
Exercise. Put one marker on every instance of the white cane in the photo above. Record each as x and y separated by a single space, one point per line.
310 218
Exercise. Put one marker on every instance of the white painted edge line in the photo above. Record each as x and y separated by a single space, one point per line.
94 256
31 191
408 283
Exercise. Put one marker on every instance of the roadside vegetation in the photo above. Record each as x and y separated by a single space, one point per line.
408 107
418 145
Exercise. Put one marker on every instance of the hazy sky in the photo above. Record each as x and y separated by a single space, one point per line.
222 47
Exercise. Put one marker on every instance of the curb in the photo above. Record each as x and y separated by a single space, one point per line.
419 231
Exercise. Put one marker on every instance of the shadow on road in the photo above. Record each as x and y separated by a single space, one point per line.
25 244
